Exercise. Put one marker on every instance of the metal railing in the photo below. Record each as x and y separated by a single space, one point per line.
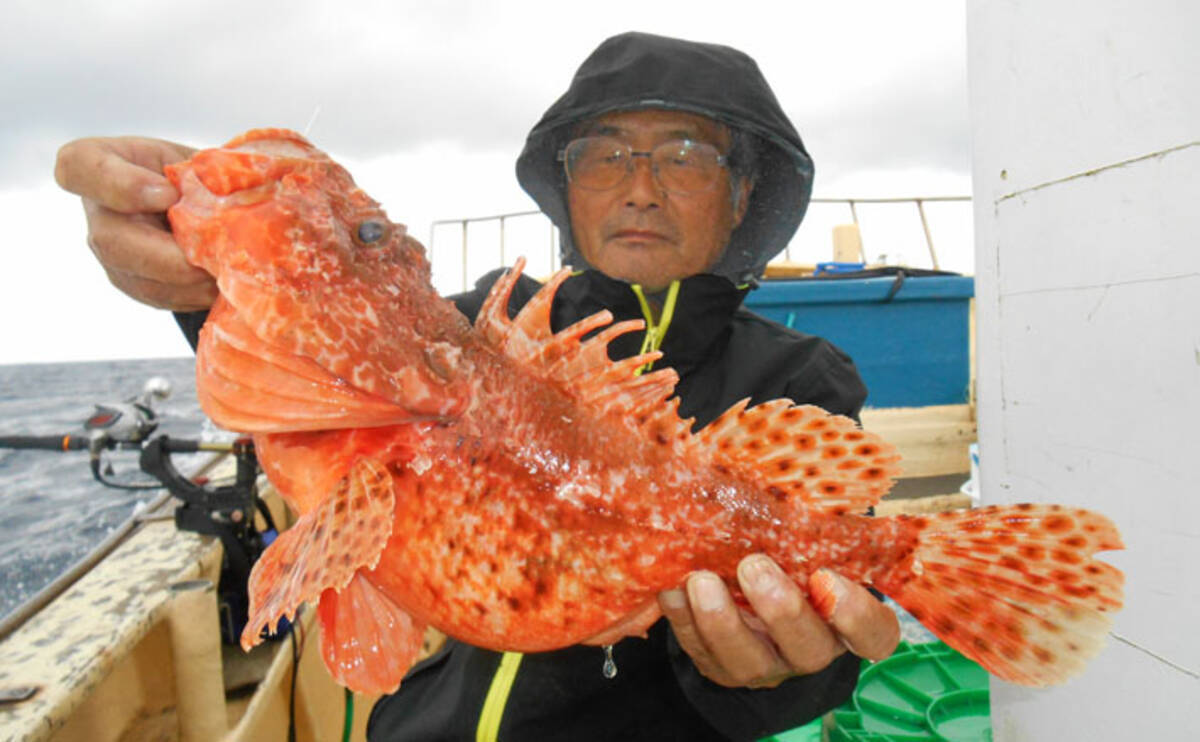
501 218
918 201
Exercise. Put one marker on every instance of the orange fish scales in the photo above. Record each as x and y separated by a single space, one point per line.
517 489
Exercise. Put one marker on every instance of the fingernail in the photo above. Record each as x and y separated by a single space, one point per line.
159 196
707 592
826 589
673 600
760 573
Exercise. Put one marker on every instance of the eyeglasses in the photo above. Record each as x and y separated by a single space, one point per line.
680 166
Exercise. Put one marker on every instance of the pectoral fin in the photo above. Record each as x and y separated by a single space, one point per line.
367 641
324 549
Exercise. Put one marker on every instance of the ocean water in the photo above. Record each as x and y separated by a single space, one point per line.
54 512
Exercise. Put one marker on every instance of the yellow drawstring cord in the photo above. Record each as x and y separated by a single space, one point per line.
497 697
655 331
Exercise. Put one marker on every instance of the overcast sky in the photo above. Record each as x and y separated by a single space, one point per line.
428 104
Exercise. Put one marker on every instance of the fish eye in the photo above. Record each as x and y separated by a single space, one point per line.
371 231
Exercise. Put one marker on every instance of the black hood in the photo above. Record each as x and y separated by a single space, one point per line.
637 70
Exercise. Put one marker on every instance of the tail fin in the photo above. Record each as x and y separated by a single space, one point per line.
1014 588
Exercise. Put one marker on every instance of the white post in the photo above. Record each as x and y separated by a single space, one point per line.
1086 134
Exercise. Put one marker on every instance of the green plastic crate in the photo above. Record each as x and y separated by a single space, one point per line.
922 693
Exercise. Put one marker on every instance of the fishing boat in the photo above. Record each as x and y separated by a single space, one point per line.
128 646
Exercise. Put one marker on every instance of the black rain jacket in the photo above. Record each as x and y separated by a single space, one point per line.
722 352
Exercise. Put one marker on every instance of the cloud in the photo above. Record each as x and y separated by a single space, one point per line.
897 126
381 84
395 76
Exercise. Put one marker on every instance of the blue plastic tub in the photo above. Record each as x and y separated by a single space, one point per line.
912 349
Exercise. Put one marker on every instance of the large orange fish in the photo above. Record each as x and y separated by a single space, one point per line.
517 489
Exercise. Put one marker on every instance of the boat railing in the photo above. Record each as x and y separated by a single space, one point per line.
502 220
918 201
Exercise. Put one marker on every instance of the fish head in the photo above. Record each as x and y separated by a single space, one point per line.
313 266
271 207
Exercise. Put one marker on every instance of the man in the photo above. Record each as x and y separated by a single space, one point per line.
674 177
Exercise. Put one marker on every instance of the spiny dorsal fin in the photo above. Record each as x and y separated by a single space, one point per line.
663 426
579 367
804 454
520 337
1014 588
323 549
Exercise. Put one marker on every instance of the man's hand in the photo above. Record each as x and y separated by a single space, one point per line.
125 197
790 636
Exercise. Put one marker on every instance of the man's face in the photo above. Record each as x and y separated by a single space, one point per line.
638 232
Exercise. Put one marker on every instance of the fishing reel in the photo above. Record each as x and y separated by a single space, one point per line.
112 426
131 421
124 425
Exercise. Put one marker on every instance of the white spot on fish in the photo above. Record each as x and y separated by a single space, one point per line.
420 463
570 492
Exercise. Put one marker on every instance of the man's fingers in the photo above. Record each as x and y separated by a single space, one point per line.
177 298
868 627
674 604
804 640
122 174
748 659
138 245
142 260
124 196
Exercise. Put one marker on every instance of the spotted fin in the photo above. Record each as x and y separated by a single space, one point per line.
367 641
1014 588
323 549
803 455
